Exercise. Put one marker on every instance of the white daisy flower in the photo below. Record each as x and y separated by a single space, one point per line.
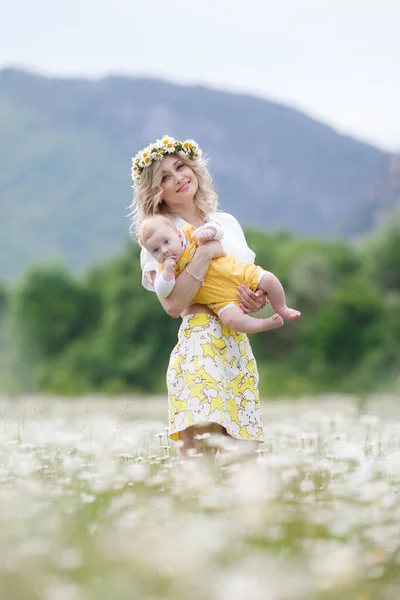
168 144
167 139
190 144
145 158
145 153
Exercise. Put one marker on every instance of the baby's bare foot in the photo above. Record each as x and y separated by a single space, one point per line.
273 322
289 313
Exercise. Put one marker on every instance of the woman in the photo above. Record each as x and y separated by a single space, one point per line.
212 376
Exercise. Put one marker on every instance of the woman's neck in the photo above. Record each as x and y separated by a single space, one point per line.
191 216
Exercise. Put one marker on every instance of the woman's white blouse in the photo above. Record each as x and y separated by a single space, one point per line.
234 244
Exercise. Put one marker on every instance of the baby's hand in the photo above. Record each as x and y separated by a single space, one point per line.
169 265
206 234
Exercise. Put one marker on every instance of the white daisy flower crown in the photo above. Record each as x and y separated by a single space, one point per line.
159 149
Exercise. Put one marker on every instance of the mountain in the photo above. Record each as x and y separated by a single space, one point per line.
66 147
379 202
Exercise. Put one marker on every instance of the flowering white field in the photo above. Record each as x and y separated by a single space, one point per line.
95 505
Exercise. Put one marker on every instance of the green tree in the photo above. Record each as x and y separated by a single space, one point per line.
346 328
48 311
381 256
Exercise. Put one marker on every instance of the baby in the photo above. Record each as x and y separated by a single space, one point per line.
174 249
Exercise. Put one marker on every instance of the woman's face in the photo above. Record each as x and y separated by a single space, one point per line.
178 182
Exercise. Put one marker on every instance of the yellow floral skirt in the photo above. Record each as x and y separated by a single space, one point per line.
212 377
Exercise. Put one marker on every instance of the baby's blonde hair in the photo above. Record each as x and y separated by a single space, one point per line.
149 225
147 198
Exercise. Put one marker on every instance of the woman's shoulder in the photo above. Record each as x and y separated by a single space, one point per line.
225 219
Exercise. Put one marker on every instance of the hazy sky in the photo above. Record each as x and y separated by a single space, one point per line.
338 60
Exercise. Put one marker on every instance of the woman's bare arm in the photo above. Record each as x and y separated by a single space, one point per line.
186 286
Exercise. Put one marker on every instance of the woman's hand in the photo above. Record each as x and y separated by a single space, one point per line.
251 301
212 249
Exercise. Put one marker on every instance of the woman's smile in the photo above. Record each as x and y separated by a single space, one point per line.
183 187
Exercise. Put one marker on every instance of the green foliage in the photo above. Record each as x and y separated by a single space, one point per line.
104 332
52 309
49 310
382 258
3 349
345 327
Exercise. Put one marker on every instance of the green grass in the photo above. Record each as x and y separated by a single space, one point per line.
94 504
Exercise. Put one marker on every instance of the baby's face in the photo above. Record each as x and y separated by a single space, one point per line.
165 243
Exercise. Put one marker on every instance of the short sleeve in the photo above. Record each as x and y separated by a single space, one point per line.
234 241
148 265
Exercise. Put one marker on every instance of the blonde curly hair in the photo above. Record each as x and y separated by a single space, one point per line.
147 197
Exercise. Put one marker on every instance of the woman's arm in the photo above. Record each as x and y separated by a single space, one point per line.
186 285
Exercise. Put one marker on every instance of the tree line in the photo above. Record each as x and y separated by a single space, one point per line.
103 332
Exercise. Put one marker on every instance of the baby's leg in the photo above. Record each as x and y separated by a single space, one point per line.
271 285
234 318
